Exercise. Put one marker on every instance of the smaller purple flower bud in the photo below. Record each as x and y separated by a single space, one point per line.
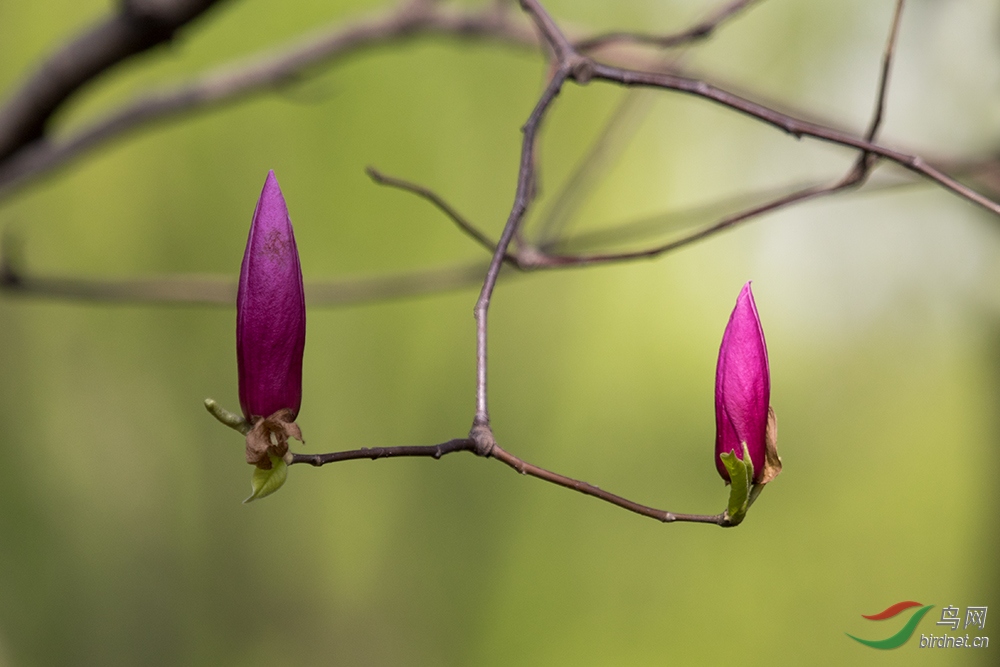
270 329
742 394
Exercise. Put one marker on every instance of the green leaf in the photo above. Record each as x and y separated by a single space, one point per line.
266 482
740 480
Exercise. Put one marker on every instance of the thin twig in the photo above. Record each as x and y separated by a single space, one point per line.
698 32
645 227
521 200
590 490
557 41
866 160
521 466
789 124
619 125
425 193
553 261
433 451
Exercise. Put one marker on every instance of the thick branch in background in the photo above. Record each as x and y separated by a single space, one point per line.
219 291
237 80
138 26
33 157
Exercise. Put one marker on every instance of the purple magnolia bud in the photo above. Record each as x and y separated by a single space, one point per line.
743 390
270 328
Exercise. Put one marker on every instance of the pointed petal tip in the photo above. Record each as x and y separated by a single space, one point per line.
271 188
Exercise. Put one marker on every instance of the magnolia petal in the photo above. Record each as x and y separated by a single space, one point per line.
270 311
742 386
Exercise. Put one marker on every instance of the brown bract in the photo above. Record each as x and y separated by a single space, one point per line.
772 462
270 435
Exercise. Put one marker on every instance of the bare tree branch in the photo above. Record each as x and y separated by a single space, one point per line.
700 31
138 26
233 82
790 125
373 453
213 291
855 178
613 136
524 468
424 193
522 198
590 490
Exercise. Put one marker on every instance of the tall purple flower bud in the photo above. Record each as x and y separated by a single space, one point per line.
270 329
743 392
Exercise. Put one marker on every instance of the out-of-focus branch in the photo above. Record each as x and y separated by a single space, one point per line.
33 154
855 178
137 26
425 193
698 32
624 120
235 81
789 124
217 291
866 160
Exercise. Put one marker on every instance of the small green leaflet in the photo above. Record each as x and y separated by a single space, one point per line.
265 482
740 480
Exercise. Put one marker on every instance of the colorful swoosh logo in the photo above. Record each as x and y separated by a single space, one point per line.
904 634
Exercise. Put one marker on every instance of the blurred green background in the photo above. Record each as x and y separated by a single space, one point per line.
122 536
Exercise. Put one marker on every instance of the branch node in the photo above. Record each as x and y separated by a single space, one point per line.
529 257
582 70
483 439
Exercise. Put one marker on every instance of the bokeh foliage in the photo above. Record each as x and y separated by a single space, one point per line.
122 536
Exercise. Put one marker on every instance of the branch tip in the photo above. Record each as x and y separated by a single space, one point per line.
230 419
